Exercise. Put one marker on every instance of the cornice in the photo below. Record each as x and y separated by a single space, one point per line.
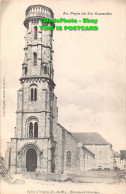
41 45
37 17
42 6
37 79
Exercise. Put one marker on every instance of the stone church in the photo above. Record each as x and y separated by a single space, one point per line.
41 144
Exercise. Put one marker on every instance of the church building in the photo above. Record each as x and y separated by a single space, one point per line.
41 144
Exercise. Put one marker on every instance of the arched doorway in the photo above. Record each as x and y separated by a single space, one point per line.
31 160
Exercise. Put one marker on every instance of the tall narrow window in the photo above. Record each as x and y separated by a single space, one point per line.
68 159
48 70
31 94
31 130
35 32
45 70
35 130
53 160
35 59
26 58
35 94
25 70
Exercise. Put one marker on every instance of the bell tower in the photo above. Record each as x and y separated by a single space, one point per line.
33 147
36 98
38 44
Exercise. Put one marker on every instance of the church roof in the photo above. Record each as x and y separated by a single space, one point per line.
67 131
90 138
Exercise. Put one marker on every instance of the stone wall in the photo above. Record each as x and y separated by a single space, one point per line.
86 158
65 142
103 155
70 144
44 110
81 158
19 147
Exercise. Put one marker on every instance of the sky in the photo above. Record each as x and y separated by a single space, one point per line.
89 68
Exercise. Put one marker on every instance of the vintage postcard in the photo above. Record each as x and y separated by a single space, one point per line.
63 97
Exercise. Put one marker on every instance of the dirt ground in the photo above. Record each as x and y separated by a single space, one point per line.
87 177
91 182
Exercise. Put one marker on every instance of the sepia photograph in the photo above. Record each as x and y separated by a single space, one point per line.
63 97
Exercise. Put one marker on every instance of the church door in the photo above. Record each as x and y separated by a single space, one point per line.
31 160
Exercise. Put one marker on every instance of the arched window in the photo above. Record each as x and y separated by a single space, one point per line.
35 130
35 59
35 32
68 159
33 94
30 130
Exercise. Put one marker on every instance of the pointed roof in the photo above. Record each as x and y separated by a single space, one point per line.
90 138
